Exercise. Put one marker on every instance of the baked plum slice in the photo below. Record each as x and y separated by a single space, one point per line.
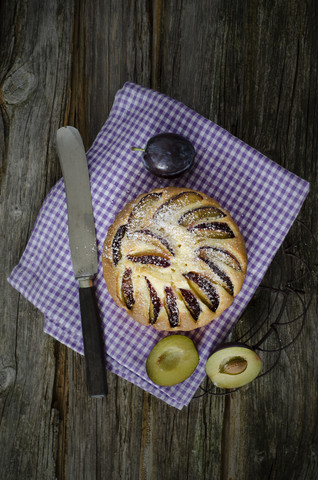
213 230
191 302
172 360
116 243
233 365
172 307
168 155
204 288
155 303
181 200
150 260
160 240
215 253
137 215
223 279
128 288
191 217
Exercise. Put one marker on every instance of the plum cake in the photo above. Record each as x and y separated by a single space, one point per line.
174 259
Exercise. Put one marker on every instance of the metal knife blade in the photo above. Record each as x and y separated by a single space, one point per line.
83 248
81 224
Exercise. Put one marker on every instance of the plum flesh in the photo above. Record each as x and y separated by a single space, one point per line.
191 303
190 217
128 289
215 253
149 260
213 230
116 244
172 360
172 205
223 278
172 307
155 303
160 239
139 211
206 290
233 365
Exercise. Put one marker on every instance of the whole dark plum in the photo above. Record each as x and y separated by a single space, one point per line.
168 155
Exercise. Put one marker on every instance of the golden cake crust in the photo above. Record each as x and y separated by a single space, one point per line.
174 259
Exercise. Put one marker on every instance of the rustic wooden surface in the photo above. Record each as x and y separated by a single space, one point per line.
250 66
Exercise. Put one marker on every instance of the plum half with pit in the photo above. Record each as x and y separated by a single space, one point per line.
233 365
168 155
172 360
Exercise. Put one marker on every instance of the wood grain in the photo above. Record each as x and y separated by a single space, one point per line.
252 68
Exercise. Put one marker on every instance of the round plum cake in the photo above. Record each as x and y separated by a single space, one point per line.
174 259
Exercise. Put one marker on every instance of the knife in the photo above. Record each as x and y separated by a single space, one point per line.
82 237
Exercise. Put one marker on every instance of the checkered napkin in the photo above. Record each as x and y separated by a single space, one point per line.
263 198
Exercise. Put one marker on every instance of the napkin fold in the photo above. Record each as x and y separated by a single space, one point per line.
263 198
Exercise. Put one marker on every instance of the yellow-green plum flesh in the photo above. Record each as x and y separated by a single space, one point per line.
233 366
172 360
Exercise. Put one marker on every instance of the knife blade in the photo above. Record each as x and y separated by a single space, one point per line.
82 238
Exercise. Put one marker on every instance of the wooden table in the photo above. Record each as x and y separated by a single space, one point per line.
250 66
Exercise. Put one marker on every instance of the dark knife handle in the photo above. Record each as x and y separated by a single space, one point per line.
93 345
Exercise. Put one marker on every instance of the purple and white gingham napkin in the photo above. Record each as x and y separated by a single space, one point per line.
263 198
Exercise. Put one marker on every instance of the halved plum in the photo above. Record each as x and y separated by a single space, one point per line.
172 360
233 365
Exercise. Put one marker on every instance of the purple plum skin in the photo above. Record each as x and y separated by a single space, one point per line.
168 155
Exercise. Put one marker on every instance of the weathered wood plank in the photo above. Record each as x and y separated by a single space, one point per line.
264 431
129 421
252 68
35 45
